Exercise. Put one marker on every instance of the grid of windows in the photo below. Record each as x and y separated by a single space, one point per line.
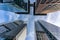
47 1
41 36
16 6
3 29
7 1
21 3
42 2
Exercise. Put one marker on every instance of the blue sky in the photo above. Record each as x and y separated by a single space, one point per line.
6 16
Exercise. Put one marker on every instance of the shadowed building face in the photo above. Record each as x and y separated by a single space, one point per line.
46 6
17 6
21 3
40 32
1 1
9 31
47 31
8 0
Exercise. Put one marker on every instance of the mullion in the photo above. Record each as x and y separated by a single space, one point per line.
43 1
49 1
54 1
7 27
8 1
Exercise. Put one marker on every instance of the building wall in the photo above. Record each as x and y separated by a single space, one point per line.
42 36
7 0
1 0
21 35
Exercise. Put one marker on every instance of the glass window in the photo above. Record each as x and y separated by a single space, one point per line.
42 36
16 6
3 29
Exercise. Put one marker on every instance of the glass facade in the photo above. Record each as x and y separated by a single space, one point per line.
16 6
41 36
1 1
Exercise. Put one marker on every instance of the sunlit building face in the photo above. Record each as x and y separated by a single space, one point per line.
46 6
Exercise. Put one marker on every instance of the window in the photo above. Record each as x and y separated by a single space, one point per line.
7 1
21 3
16 6
3 29
49 1
41 36
43 1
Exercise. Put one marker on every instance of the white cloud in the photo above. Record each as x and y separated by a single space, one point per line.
40 18
54 18
6 16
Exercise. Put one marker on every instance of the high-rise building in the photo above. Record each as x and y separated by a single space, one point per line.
46 6
18 6
7 1
47 31
14 30
40 33
21 3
